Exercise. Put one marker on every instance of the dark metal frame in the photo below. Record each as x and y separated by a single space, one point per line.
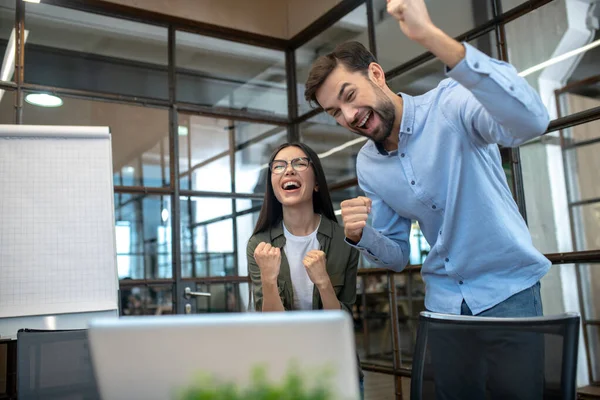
291 122
174 180
19 59
322 23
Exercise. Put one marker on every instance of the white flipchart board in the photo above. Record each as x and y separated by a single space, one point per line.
57 235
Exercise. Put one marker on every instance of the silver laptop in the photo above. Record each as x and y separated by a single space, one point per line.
165 357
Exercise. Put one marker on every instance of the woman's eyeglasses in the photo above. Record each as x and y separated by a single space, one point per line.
299 164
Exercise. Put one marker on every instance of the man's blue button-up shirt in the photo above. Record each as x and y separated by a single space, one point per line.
447 174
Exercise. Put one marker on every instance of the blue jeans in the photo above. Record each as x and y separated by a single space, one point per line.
527 303
361 386
508 364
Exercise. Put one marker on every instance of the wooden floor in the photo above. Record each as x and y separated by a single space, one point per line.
378 386
588 392
381 387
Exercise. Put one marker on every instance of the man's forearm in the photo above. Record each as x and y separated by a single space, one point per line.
448 50
271 299
328 297
386 252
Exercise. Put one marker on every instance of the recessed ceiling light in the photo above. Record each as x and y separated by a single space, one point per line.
32 1
43 100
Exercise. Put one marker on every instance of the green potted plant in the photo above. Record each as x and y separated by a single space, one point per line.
293 387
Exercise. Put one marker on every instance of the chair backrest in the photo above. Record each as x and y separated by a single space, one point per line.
54 364
488 358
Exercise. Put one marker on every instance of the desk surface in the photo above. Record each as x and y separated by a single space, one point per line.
10 326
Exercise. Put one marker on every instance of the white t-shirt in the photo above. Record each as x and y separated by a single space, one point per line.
295 249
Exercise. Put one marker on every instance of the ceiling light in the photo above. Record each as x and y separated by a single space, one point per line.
43 100
32 1
342 147
182 130
560 58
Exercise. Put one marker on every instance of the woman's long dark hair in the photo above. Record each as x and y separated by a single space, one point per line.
271 211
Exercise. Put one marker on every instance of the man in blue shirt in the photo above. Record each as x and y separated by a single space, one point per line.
435 159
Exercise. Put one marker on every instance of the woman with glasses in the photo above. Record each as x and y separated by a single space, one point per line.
297 256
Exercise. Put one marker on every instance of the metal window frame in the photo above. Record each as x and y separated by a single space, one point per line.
572 205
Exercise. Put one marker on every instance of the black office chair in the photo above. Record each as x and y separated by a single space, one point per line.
465 357
54 365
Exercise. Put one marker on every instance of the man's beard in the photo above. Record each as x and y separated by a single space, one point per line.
386 111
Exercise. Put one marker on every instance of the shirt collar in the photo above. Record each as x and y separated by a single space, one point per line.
407 123
325 228
408 114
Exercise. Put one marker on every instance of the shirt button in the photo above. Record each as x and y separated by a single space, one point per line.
412 182
512 87
476 65
440 232
402 155
407 129
434 207
447 260
460 282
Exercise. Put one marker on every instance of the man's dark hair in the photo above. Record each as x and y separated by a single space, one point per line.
352 55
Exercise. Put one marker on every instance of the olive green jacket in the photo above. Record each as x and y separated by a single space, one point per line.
342 265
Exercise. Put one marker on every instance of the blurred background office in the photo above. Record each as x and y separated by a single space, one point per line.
198 94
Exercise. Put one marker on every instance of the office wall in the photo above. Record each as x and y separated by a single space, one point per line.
277 18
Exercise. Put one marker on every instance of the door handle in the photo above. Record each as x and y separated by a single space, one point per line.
187 293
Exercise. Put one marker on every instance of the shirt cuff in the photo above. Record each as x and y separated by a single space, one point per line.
471 69
367 243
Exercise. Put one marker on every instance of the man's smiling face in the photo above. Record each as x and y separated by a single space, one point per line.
358 102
